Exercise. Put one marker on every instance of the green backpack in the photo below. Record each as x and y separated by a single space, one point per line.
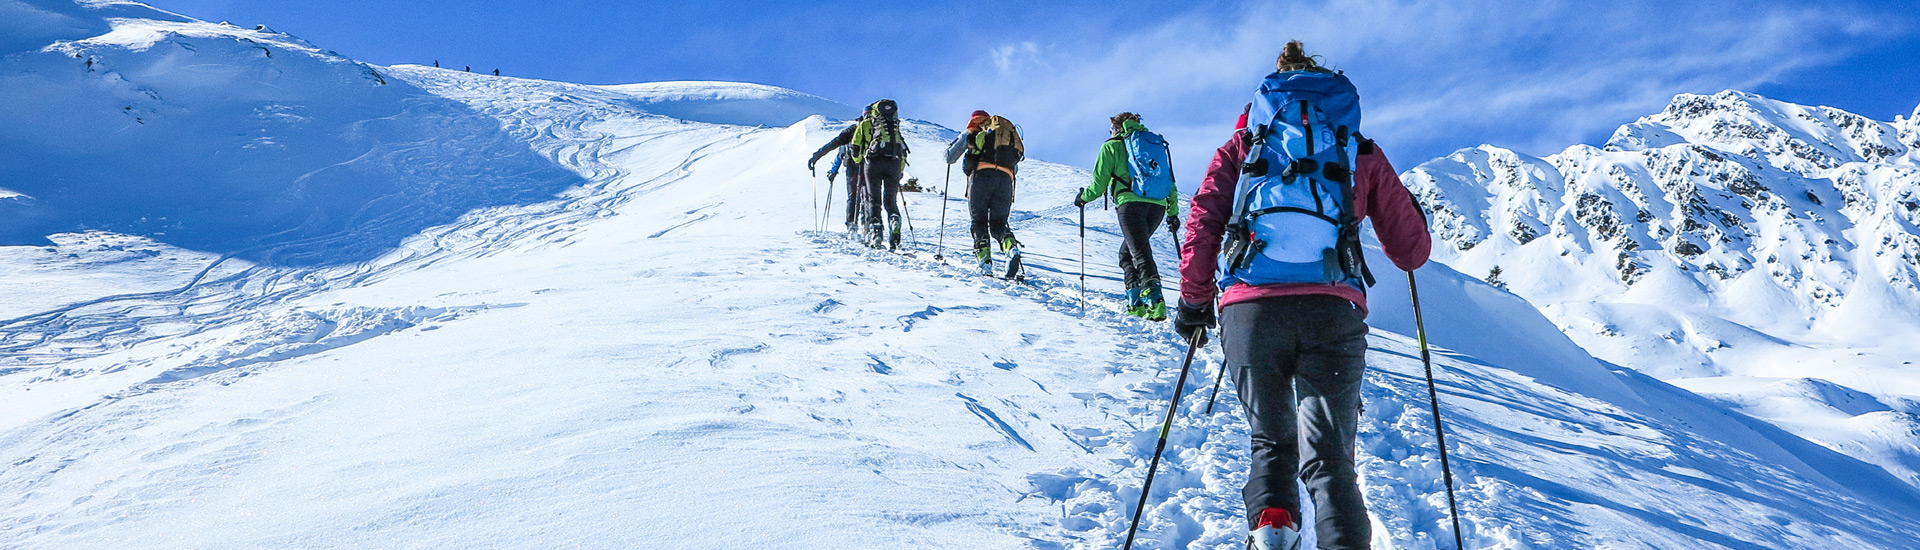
886 141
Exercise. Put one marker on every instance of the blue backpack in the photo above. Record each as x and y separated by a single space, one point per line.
1293 218
1152 167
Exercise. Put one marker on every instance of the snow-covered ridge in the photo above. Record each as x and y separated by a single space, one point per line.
1728 235
1714 187
736 103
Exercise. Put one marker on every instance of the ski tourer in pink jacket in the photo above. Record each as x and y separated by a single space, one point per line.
1378 195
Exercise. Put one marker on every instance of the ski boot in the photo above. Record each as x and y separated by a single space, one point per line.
1012 248
875 233
1274 531
893 240
985 255
1154 307
1136 304
1154 311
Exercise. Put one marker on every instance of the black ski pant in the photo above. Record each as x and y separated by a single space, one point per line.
990 200
856 186
883 190
1138 220
1297 362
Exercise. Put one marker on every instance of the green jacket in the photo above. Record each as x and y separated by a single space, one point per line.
1111 174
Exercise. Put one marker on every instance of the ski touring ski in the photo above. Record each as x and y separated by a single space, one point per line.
1015 271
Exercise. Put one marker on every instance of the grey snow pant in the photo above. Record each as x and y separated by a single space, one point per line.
1138 220
856 189
1297 362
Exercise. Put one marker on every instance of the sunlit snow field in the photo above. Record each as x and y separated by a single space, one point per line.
607 316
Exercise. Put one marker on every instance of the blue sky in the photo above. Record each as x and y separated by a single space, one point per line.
1434 76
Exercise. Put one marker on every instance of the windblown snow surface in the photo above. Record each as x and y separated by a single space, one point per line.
668 352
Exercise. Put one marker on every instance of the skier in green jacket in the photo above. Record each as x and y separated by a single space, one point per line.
882 149
1138 218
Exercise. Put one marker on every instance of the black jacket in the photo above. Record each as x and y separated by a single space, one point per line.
845 137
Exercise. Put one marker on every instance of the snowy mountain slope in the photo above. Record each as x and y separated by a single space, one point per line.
118 117
665 354
1761 252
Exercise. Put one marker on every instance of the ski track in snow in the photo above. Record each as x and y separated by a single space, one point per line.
1059 427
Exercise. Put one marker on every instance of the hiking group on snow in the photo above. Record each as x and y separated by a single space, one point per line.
1271 256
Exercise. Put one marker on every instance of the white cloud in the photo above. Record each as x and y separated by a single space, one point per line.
1433 75
1011 58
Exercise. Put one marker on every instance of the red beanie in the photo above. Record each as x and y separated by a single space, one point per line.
978 113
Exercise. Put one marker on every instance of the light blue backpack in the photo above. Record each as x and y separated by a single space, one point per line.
1150 162
1293 217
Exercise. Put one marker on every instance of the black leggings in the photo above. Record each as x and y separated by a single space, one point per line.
990 200
1297 362
883 190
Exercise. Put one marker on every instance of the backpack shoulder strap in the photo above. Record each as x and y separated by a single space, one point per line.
1352 258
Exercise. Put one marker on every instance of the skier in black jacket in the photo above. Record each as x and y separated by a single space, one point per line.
855 171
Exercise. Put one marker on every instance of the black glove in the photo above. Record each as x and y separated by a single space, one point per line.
1079 201
811 162
1173 224
1193 320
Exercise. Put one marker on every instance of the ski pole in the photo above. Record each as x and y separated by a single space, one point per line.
1420 327
814 178
1217 379
941 248
828 211
906 213
1216 386
838 161
1083 259
1193 344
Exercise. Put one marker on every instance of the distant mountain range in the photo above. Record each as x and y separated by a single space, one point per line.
1749 249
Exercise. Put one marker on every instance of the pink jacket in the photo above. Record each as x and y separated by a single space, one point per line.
1378 194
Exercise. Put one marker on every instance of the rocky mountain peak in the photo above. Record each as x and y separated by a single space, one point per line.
1711 190
1805 140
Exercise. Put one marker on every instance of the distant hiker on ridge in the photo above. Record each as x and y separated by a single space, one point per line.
496 72
993 150
1292 314
1135 168
878 144
856 172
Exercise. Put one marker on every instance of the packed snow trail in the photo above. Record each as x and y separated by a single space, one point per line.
666 357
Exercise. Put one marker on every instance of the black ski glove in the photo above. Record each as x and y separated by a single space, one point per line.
811 162
1079 200
1173 224
1193 320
